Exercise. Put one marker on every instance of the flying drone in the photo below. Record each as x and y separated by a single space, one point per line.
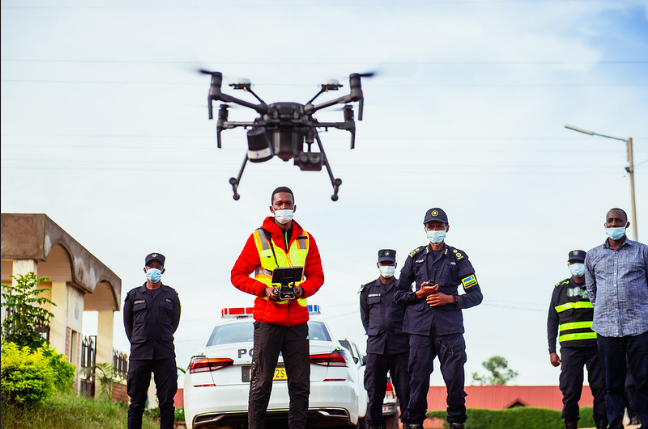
286 130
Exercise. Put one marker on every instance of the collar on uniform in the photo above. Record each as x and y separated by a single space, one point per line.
627 241
144 288
443 250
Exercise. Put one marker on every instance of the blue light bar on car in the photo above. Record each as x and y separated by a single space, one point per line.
314 309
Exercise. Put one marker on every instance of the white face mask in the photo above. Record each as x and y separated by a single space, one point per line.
615 233
387 271
435 237
577 270
284 216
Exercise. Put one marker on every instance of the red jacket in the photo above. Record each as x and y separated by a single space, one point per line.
265 310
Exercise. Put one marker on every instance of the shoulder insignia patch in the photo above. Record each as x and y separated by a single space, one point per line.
414 252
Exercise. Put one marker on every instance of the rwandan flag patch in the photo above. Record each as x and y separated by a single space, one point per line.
469 281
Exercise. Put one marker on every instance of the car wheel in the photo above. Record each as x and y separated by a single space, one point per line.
391 422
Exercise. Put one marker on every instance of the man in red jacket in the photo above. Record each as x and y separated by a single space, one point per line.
280 324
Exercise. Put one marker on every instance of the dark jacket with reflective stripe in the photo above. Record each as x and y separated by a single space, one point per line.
382 318
150 319
448 270
570 316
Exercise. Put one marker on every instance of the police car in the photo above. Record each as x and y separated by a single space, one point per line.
217 381
390 403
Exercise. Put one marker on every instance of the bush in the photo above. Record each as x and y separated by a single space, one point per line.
522 417
26 315
179 415
64 371
26 378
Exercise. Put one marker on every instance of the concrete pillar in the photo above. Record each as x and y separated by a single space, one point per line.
105 337
58 323
23 266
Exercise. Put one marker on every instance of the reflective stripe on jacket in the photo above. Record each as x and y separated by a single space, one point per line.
575 314
272 257
249 261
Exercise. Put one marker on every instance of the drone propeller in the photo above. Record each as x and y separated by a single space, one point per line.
361 101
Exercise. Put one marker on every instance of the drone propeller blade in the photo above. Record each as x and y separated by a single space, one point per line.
369 74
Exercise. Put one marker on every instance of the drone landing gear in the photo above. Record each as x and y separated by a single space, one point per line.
236 181
334 182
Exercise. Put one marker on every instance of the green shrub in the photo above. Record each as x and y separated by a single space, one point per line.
27 378
179 415
519 417
64 371
27 315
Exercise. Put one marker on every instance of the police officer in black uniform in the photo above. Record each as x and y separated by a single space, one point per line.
387 345
151 316
434 319
570 319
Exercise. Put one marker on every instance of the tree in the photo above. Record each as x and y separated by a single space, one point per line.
499 371
25 314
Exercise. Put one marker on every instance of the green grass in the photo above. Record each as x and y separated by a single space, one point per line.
69 410
519 417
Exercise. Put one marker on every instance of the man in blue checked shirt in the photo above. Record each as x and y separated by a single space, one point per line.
616 274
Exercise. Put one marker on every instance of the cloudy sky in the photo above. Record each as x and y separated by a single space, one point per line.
105 129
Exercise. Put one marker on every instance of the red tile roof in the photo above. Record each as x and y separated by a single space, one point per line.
502 397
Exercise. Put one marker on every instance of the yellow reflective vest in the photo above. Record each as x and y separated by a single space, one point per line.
272 257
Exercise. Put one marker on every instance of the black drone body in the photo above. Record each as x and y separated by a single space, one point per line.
286 130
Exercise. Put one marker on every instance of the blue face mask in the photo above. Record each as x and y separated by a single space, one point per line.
577 270
615 233
435 237
153 275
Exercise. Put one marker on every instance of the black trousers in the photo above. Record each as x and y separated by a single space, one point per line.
574 359
451 350
292 343
376 383
138 380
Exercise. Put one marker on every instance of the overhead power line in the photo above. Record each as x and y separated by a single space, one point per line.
327 63
273 5
396 85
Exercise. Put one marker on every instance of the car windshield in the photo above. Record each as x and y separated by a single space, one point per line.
244 332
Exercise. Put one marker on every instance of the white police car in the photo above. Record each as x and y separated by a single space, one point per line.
390 403
217 381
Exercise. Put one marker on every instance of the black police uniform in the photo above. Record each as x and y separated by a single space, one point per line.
150 318
387 347
437 331
577 347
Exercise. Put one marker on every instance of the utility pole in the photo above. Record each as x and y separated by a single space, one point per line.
629 169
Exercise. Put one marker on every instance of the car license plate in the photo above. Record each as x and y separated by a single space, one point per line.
279 373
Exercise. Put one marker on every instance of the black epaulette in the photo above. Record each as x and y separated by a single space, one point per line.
458 254
415 251
562 283
365 285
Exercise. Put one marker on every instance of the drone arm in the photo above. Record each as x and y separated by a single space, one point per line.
227 125
263 103
310 109
259 108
